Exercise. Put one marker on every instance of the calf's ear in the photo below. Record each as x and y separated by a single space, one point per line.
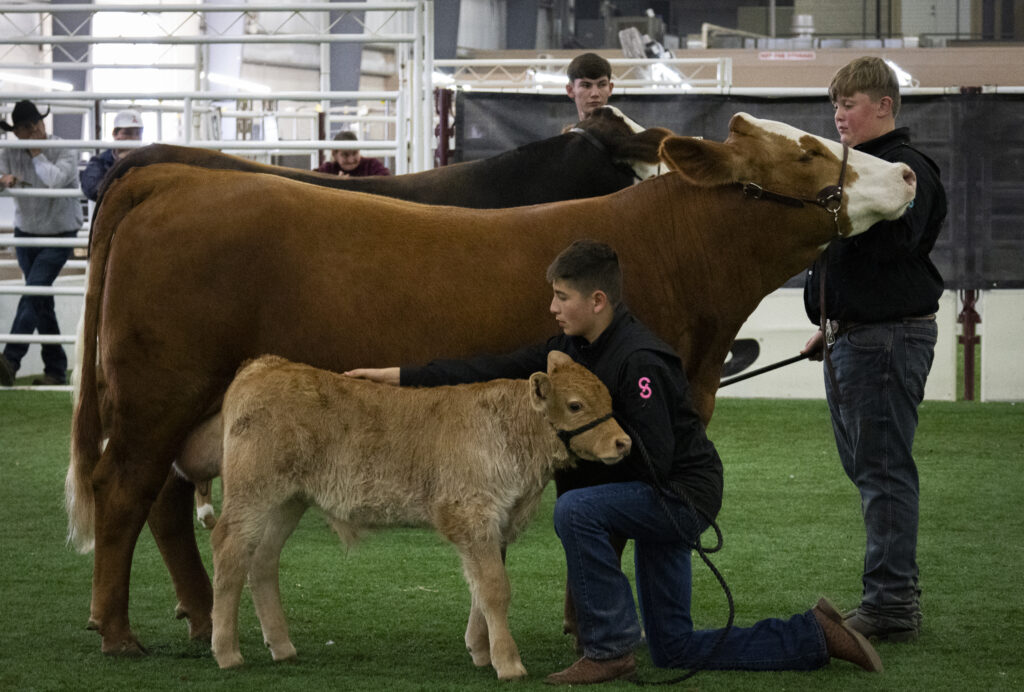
540 390
700 161
556 358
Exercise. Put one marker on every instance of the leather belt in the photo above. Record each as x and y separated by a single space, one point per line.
834 328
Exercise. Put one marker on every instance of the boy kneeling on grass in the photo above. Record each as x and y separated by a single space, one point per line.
651 398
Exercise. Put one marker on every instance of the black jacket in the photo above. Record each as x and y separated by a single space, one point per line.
650 396
885 273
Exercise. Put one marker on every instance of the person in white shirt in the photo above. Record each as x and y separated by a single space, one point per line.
38 217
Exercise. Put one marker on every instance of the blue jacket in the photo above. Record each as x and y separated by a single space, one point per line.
93 173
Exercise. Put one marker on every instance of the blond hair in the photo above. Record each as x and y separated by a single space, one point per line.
868 75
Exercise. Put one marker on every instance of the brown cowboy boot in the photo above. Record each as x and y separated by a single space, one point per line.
590 671
844 642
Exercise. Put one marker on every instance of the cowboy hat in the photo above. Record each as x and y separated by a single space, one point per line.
24 113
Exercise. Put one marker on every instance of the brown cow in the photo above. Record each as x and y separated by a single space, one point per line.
471 461
194 271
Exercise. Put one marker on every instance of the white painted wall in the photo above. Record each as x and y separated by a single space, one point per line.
1002 347
781 328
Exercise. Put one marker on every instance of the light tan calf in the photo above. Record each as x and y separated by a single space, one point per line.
471 461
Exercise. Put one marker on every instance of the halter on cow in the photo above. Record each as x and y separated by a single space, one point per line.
364 280
829 198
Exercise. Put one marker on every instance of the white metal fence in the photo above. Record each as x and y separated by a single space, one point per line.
40 40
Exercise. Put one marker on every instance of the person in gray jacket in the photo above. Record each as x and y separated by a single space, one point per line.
38 217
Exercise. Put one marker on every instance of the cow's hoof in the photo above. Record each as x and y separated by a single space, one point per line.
200 632
232 660
93 625
513 672
481 657
282 653
197 631
129 647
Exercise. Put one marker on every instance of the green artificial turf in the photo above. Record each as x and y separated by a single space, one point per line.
390 614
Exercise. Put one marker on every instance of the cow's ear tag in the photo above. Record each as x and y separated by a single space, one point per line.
540 390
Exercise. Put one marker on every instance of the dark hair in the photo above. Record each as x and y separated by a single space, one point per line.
588 66
346 135
867 75
589 266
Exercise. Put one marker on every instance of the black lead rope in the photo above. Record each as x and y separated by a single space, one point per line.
663 494
760 371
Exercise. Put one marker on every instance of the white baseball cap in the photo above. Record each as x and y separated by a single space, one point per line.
127 119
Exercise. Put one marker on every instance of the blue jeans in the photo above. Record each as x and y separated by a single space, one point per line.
881 370
605 612
40 265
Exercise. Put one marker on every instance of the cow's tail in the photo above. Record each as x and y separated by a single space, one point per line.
86 426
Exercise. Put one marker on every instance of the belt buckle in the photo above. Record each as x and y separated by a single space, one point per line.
831 330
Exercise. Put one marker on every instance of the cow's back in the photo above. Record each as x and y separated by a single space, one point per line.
316 276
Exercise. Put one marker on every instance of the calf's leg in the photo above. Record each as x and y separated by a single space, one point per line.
264 579
489 584
234 539
477 641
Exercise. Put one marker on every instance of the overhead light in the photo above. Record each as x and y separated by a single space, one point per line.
905 79
50 84
240 84
661 72
542 77
442 78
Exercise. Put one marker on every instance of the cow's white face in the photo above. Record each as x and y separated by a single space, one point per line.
788 161
872 185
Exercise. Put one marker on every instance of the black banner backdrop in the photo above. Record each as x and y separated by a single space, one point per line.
976 139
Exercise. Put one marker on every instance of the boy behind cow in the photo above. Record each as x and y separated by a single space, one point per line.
590 83
651 397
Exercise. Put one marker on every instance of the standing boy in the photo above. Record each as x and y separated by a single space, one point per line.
650 396
881 295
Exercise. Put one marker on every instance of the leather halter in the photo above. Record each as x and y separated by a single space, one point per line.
829 198
566 435
601 147
590 138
